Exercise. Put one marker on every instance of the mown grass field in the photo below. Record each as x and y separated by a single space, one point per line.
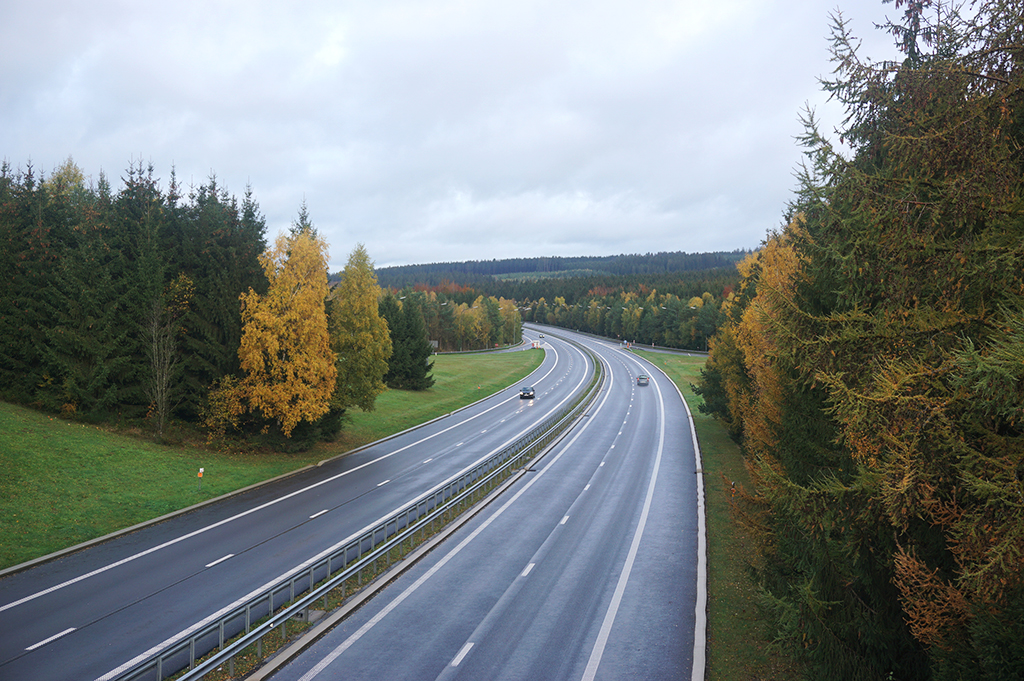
63 483
738 635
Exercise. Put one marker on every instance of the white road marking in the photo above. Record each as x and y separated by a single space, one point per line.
564 520
586 488
52 638
181 635
428 460
319 513
381 484
220 560
462 654
613 608
528 569
201 530
376 619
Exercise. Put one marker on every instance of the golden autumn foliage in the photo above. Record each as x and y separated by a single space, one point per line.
285 350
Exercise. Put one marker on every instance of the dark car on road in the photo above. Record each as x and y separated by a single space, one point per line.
526 393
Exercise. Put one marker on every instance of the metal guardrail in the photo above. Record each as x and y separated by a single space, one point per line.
242 626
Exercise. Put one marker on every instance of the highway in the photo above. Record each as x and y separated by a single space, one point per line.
586 568
99 611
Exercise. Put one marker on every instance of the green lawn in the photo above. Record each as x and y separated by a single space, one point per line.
738 636
64 483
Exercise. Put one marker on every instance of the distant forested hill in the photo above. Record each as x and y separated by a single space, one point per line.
479 273
673 299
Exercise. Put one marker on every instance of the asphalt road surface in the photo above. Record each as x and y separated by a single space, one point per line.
101 610
586 568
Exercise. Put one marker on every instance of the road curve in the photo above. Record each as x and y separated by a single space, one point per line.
586 568
95 612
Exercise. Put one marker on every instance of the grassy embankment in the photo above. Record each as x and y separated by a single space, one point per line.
738 635
63 483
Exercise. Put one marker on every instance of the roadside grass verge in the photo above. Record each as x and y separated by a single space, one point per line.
458 380
739 635
64 482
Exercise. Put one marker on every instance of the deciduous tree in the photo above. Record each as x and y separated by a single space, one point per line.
285 350
359 335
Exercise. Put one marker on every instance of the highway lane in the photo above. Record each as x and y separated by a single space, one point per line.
86 615
584 569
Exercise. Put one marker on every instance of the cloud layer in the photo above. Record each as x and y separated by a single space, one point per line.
443 130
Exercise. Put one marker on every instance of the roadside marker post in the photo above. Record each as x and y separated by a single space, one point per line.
200 479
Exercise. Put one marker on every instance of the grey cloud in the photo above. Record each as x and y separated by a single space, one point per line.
442 130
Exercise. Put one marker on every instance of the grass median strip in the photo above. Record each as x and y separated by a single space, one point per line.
65 482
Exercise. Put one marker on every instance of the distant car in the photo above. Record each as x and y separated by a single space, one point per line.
526 393
642 379
542 335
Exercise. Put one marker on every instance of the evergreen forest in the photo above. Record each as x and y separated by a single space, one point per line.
871 363
155 305
668 299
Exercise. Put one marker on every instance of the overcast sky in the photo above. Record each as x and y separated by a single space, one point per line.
440 130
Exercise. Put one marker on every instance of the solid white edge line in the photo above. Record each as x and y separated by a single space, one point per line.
701 608
52 638
220 560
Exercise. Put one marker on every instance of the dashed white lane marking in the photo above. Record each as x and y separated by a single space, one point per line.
319 513
52 638
254 509
527 570
381 484
462 654
220 560
564 520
